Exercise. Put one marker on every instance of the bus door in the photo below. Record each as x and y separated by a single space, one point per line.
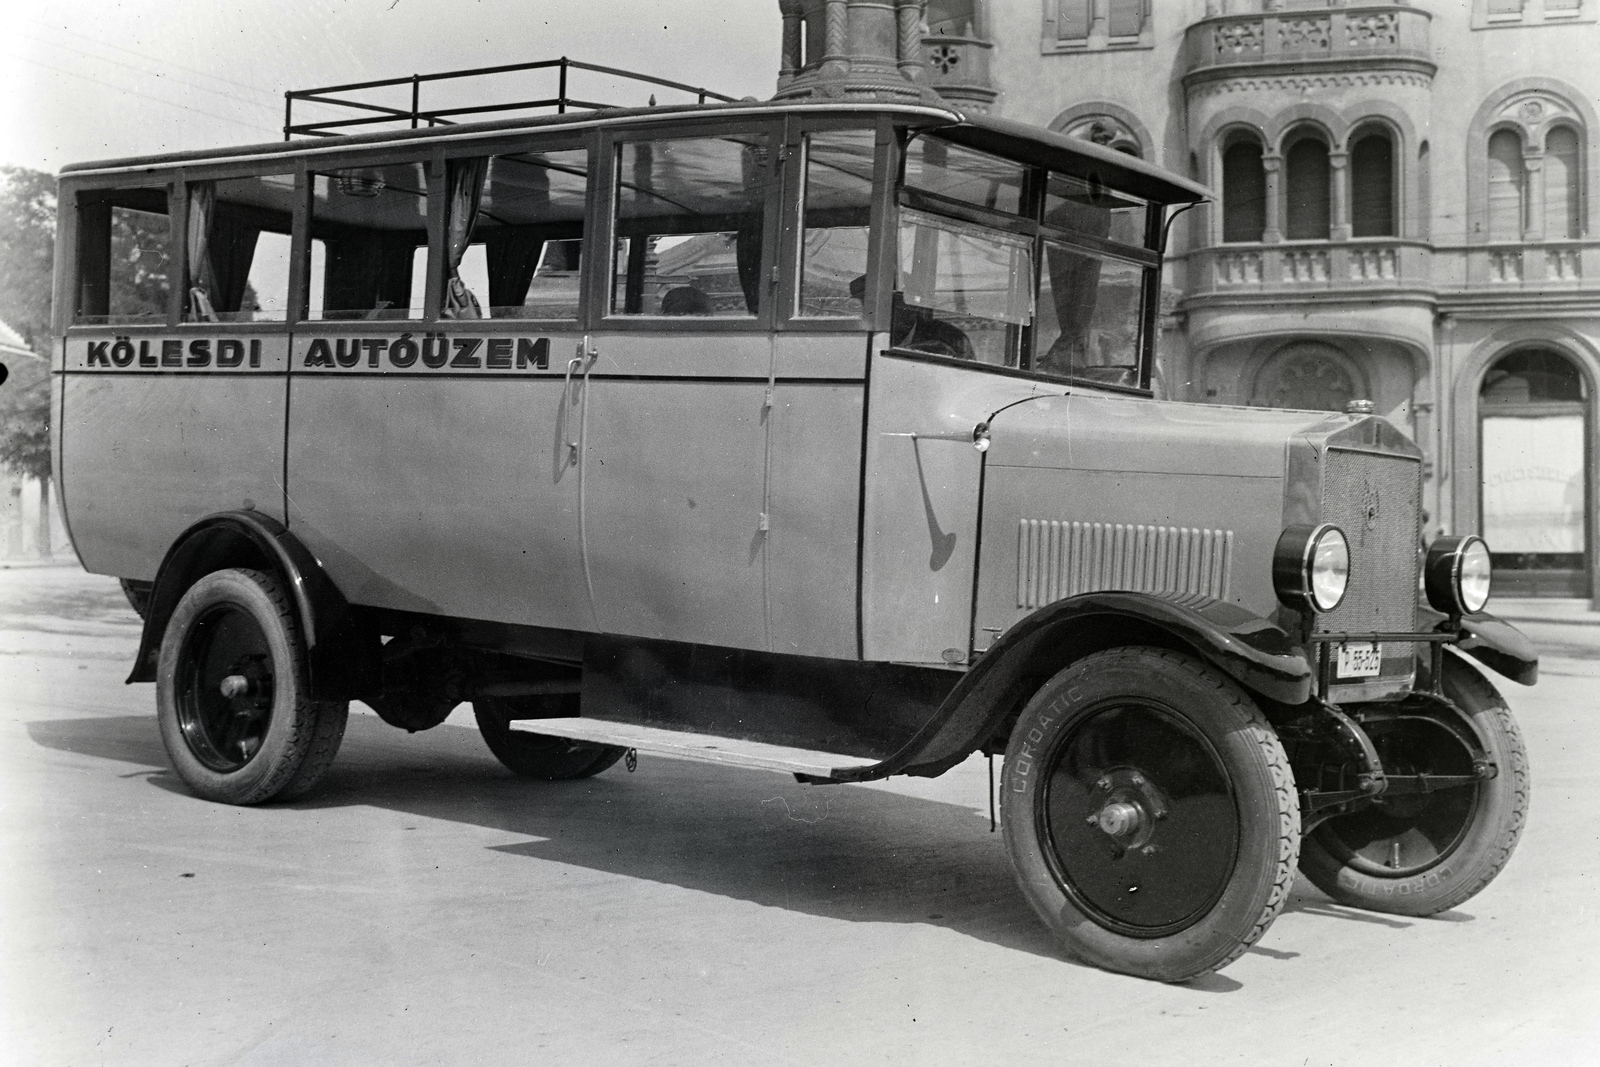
962 297
675 438
429 463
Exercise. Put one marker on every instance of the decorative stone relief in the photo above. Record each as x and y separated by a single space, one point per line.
1107 131
1237 39
1308 84
1372 31
1534 108
1310 376
1303 35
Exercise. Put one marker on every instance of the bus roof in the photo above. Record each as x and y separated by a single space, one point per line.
1016 140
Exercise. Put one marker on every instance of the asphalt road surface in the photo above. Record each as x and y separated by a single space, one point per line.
425 907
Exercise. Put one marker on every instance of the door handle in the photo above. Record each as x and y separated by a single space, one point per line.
585 359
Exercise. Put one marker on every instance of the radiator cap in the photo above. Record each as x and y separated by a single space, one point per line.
1358 407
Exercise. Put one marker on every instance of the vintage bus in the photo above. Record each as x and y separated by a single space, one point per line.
819 437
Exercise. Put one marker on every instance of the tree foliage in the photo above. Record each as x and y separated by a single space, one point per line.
27 258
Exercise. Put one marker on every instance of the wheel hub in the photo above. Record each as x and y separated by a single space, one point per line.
1141 818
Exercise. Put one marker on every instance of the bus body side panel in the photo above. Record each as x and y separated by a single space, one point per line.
923 479
674 454
157 435
443 489
815 500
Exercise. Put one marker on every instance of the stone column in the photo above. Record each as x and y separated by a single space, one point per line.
1272 164
792 59
909 16
835 52
1533 184
1339 227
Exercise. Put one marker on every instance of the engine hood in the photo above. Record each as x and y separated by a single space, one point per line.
1097 432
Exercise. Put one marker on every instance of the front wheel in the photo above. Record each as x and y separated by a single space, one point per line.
1150 813
1423 853
232 699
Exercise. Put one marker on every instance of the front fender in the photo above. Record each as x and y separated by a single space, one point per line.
1249 649
1493 642
340 661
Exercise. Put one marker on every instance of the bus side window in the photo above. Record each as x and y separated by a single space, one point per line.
371 224
521 255
691 215
838 203
238 249
124 257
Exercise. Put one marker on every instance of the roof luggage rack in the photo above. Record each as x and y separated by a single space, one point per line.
376 114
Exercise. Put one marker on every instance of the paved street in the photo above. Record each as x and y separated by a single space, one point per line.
424 907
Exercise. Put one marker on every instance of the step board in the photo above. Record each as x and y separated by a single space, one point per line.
708 748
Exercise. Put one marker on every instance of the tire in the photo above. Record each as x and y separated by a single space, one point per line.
267 740
539 756
1144 769
1420 855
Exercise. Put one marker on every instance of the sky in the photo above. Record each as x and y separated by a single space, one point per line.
97 79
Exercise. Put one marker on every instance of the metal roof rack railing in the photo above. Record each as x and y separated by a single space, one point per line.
417 115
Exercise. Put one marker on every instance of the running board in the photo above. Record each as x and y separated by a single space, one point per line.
708 748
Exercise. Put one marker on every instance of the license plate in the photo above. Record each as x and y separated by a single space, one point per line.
1359 660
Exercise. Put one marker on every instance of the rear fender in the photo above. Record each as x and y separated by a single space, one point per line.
342 654
1251 650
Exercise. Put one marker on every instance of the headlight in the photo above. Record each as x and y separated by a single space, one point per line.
1456 575
1311 567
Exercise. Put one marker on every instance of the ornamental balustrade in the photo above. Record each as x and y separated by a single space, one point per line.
1359 35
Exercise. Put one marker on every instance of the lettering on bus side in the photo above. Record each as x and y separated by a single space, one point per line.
170 353
429 351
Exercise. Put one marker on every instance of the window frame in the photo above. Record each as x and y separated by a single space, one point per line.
552 141
603 207
1148 259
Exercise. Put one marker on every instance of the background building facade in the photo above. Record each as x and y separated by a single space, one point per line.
1407 215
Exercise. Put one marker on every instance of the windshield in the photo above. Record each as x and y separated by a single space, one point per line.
1013 266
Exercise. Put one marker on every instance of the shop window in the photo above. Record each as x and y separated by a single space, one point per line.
691 217
369 229
1507 179
1244 191
836 210
1372 181
238 249
124 256
1306 190
1562 185
1534 411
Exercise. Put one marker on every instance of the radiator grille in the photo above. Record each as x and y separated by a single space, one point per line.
1061 559
1375 499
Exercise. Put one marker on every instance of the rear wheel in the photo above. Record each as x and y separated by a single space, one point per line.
232 699
1423 853
532 755
1150 813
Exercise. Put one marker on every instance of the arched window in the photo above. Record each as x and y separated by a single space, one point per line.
1507 179
1562 186
1372 207
1306 193
1244 190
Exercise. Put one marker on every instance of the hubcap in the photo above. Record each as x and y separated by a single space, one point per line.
1140 818
224 688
